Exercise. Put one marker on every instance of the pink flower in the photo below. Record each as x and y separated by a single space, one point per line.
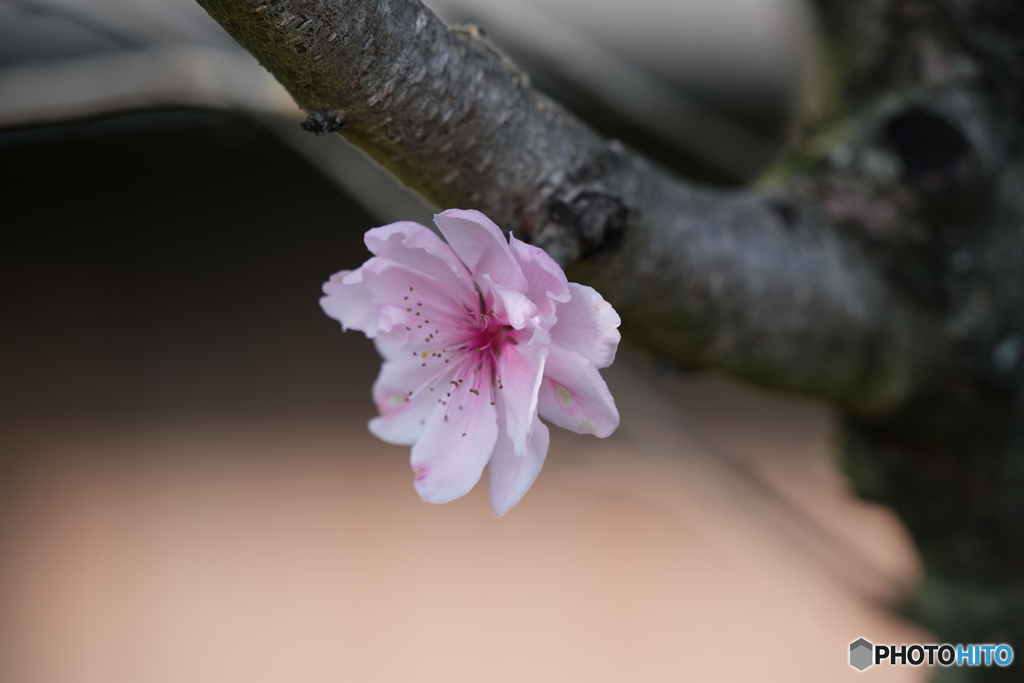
479 338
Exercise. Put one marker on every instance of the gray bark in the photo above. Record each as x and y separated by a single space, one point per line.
706 278
878 263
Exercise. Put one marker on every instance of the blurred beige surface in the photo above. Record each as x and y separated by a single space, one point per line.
189 494
282 551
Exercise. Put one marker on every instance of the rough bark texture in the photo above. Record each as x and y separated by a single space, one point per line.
879 263
743 281
918 151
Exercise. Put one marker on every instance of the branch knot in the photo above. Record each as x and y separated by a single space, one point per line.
322 122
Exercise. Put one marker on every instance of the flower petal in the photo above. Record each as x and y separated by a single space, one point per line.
574 396
417 312
521 369
511 476
511 306
546 280
350 303
482 247
403 398
420 249
453 449
588 325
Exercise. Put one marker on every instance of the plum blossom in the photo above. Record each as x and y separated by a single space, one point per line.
480 338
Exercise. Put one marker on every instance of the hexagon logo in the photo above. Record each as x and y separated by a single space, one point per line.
861 652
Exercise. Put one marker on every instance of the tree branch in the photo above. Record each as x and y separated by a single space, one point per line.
753 283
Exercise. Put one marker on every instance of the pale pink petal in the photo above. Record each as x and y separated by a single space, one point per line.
509 305
482 247
546 280
512 476
521 369
406 393
588 325
389 352
416 312
453 449
350 304
573 395
420 249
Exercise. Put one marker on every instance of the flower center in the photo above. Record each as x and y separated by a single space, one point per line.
489 336
466 368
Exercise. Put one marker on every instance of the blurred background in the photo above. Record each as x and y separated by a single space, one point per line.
188 491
